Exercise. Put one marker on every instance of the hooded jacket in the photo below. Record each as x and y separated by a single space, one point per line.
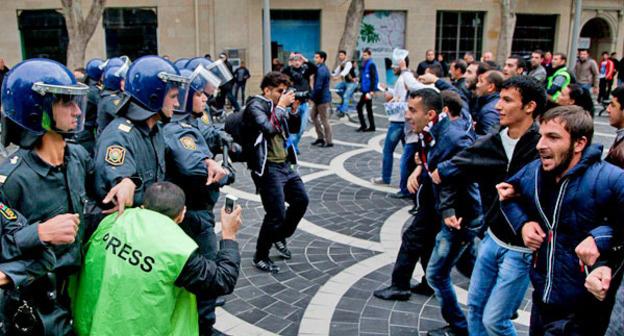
568 211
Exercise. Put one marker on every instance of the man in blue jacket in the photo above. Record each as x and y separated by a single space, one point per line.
569 199
321 97
488 89
368 86
460 209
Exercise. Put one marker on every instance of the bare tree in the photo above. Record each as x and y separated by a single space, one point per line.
508 25
80 29
351 32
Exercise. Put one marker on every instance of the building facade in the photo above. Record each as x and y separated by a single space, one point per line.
187 28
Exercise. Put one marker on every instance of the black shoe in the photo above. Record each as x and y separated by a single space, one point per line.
400 195
361 129
369 130
422 289
320 142
220 301
392 293
215 332
514 315
282 249
328 145
413 211
447 331
266 265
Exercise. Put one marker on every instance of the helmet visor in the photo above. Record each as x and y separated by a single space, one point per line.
203 80
221 71
176 92
67 107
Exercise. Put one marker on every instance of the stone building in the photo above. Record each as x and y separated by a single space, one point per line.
187 28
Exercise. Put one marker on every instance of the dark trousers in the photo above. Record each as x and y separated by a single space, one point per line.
199 225
369 111
604 89
418 239
226 92
240 86
279 184
587 317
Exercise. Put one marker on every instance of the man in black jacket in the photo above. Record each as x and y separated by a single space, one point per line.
429 61
501 273
271 156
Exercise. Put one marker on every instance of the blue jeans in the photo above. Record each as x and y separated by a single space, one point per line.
303 112
407 164
394 135
345 90
587 87
449 247
499 281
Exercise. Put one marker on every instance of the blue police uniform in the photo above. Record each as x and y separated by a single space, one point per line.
128 148
109 104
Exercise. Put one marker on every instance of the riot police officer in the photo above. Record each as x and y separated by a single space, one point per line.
47 181
132 145
111 97
86 137
191 166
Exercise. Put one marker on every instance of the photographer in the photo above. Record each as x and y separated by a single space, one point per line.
321 97
301 73
268 125
142 272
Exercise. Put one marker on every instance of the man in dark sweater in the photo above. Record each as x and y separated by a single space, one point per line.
429 61
501 273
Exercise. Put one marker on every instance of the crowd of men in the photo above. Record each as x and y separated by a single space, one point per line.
116 178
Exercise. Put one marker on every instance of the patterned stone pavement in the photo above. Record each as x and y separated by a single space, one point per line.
342 251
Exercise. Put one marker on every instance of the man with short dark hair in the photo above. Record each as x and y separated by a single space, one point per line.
514 66
368 85
429 60
500 276
346 72
536 70
469 57
565 206
144 254
435 69
268 124
486 115
560 78
321 98
241 75
460 209
586 72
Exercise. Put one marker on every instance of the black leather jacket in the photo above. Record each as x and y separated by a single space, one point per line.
258 127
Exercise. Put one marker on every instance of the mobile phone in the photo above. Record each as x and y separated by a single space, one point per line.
230 203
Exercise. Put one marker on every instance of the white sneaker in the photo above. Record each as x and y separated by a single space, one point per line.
378 181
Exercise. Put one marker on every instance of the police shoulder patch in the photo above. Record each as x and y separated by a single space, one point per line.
116 102
7 212
115 155
124 127
188 143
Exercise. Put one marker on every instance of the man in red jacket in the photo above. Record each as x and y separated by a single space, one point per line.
607 70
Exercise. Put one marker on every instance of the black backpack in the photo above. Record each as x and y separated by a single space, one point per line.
240 132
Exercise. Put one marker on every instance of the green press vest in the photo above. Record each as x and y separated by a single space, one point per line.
126 285
561 72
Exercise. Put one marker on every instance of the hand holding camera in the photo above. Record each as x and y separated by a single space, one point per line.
286 99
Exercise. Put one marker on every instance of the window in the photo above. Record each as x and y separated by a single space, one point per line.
43 34
533 32
458 33
130 32
295 30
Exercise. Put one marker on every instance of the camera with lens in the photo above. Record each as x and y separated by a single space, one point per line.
228 147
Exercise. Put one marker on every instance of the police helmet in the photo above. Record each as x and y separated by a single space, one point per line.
93 69
181 63
154 82
40 95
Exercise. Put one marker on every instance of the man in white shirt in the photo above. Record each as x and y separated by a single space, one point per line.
346 72
395 108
